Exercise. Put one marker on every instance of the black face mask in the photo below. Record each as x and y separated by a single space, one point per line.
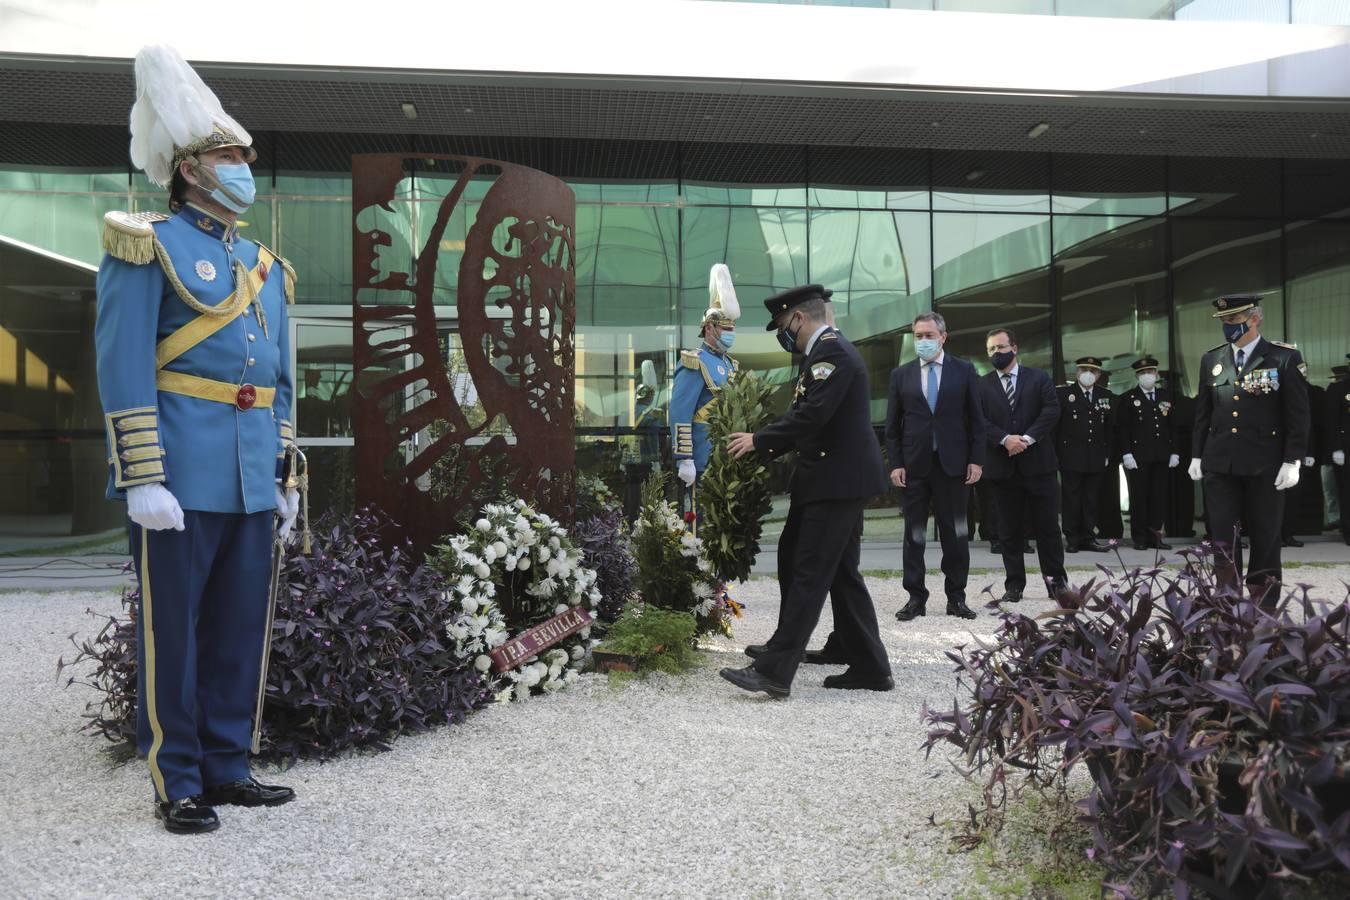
787 339
1003 359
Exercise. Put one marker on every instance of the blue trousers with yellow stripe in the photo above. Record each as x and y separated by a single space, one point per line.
200 640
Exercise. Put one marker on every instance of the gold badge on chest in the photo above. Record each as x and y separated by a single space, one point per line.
205 271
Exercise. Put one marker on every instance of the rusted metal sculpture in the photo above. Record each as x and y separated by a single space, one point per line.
420 456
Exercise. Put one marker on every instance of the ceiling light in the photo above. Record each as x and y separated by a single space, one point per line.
468 109
974 174
1037 130
409 111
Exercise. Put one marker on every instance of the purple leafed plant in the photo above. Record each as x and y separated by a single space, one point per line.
1214 734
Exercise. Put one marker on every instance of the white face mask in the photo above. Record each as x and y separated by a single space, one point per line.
1147 381
1087 379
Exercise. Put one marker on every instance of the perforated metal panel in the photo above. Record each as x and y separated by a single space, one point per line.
578 109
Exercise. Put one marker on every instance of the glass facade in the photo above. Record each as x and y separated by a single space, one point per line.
1296 12
1109 256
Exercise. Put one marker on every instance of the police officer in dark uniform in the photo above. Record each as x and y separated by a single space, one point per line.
1303 504
1083 440
1180 489
1338 441
1150 441
839 469
1248 442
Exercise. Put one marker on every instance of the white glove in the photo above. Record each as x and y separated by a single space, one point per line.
1128 460
1308 462
1288 476
1338 457
687 473
152 507
1173 461
288 507
1194 471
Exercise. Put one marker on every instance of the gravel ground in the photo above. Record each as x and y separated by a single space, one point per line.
669 787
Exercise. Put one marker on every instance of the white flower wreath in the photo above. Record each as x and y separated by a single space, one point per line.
702 583
514 546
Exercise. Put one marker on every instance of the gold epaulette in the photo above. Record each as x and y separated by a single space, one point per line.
131 236
287 270
689 359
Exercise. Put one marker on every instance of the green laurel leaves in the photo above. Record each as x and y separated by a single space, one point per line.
734 494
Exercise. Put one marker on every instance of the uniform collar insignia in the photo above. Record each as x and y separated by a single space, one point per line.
207 223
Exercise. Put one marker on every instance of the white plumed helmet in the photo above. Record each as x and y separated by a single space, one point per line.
722 305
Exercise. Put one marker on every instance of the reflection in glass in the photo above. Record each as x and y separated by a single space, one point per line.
1118 185
1211 186
868 178
315 235
1115 9
968 180
1215 257
993 271
1320 12
1111 284
323 380
1319 294
1232 10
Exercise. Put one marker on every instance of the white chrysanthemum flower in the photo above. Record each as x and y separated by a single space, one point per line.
482 570
595 596
482 524
571 677
520 504
489 555
544 553
499 547
586 632
554 543
560 609
578 652
457 631
494 637
701 590
523 564
704 565
483 663
469 604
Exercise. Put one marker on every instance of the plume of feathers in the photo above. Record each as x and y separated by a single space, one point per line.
173 109
722 293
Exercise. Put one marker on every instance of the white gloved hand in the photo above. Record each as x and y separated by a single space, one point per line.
1128 460
1308 462
686 472
1194 470
1288 476
152 507
288 507
1338 457
1173 461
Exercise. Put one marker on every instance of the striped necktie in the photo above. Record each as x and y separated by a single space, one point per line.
1008 388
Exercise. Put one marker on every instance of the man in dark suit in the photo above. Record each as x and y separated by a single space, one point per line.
1020 411
1303 504
1338 441
1248 443
1150 439
935 444
1180 488
1084 448
838 470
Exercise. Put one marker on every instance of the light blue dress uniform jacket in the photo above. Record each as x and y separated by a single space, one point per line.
216 457
690 396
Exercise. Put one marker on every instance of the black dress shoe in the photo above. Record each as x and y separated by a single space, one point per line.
848 681
247 792
1094 547
960 610
755 651
1027 548
825 657
1070 548
1292 542
187 816
1161 545
748 679
1011 597
1140 545
912 609
995 547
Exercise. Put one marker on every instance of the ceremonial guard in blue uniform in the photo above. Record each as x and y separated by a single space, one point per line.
1248 442
700 376
194 370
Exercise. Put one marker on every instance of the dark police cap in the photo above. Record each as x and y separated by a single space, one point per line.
1146 362
1340 371
781 303
1092 362
1235 303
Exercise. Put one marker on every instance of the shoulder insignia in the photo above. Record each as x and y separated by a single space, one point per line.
822 370
829 336
689 359
1284 345
131 236
286 268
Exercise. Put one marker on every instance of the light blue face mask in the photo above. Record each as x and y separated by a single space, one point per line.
726 339
236 188
927 349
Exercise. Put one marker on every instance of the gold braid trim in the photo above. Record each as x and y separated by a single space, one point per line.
241 298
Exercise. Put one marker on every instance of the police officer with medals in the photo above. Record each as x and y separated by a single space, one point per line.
700 376
1150 440
1083 445
839 468
1338 441
1249 440
194 373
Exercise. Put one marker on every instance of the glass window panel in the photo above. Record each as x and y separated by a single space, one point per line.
1319 283
744 175
332 479
1116 9
315 236
966 180
309 184
993 271
1316 188
1111 285
323 380
1115 185
1232 10
868 177
1215 186
69 225
29 179
1215 257
627 265
1021 7
1320 12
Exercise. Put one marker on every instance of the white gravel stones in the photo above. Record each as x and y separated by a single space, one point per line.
670 787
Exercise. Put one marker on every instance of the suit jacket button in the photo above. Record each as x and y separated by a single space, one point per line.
1234 431
822 453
